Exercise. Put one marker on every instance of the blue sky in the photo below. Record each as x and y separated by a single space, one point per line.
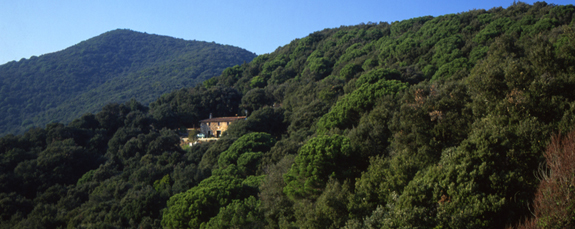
35 27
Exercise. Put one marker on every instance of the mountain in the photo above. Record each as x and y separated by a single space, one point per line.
113 67
457 121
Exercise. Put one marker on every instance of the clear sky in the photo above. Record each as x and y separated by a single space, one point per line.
36 27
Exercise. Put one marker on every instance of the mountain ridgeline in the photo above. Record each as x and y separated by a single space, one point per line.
456 121
114 67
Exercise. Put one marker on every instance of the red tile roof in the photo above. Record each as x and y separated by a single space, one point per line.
224 119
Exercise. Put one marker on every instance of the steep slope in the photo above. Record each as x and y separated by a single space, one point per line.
432 122
113 67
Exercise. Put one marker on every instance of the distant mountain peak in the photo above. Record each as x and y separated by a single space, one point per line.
112 67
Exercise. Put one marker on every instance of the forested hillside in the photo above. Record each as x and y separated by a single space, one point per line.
113 67
454 121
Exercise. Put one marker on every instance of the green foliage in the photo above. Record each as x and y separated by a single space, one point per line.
238 214
87 177
329 210
347 111
258 82
374 76
319 67
163 184
249 162
349 71
246 152
492 30
209 160
268 120
320 159
277 207
199 204
255 99
14 205
209 83
473 175
229 76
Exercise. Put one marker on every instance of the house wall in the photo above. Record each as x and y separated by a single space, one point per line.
212 128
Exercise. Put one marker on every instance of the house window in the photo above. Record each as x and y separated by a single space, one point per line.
218 123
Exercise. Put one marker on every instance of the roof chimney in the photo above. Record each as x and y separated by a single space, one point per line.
210 115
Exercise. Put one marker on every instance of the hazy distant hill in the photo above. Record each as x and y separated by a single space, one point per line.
113 67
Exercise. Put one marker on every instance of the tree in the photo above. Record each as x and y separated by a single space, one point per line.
553 203
255 99
246 153
197 205
320 159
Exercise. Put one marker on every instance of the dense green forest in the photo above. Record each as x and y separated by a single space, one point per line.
110 68
457 121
